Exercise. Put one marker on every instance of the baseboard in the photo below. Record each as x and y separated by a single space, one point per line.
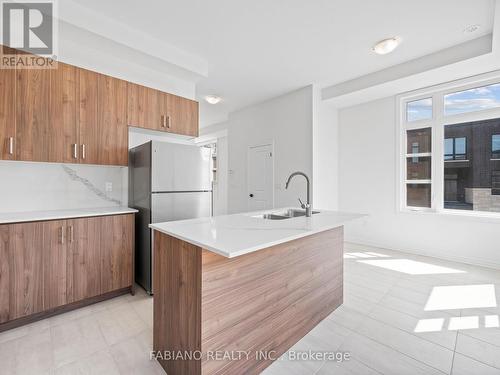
62 309
474 262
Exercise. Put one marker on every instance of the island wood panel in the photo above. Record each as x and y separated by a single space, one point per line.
34 132
295 292
117 247
266 300
55 267
62 115
84 252
7 110
177 301
287 289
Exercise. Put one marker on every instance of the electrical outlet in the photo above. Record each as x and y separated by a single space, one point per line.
109 187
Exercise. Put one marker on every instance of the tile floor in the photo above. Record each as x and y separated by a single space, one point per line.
402 314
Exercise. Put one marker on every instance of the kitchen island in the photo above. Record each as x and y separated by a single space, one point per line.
232 293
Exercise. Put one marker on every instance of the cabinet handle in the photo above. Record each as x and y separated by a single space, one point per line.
62 235
11 145
162 121
71 234
83 151
168 121
75 150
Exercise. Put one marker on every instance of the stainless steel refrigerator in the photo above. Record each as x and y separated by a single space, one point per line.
167 181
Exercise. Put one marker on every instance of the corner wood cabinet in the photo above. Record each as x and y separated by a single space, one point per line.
73 115
52 266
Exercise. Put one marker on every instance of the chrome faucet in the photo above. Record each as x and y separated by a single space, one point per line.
307 205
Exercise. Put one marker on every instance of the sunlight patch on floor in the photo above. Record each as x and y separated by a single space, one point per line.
429 325
463 322
461 297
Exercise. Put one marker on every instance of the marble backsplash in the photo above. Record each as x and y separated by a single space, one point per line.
50 186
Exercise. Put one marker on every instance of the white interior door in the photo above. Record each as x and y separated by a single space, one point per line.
260 177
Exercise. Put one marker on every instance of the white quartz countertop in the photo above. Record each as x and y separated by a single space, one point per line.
20 217
239 234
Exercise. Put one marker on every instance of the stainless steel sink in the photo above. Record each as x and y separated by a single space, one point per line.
295 212
274 217
288 214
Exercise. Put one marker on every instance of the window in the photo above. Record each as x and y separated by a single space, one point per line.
418 167
455 148
452 165
472 100
495 146
419 110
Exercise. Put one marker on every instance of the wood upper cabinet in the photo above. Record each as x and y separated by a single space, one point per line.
87 116
182 115
117 238
111 141
34 134
7 111
143 108
73 115
102 108
156 110
62 144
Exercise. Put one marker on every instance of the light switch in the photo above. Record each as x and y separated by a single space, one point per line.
109 187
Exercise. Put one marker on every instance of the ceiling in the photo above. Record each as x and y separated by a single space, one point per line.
260 49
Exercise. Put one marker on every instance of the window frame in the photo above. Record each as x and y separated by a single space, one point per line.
437 124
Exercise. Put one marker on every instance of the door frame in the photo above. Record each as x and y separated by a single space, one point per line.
261 144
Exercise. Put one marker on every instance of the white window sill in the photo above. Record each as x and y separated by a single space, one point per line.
490 217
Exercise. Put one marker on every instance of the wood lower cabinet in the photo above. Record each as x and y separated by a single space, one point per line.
117 238
55 264
21 277
84 254
44 266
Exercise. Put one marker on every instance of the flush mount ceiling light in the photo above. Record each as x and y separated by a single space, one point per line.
213 99
471 29
386 46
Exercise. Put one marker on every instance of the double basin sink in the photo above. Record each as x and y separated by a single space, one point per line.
288 214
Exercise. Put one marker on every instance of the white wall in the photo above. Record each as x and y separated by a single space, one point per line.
325 154
367 184
220 185
91 51
51 186
285 121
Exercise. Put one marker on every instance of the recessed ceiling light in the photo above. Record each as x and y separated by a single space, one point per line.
386 46
213 99
471 29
